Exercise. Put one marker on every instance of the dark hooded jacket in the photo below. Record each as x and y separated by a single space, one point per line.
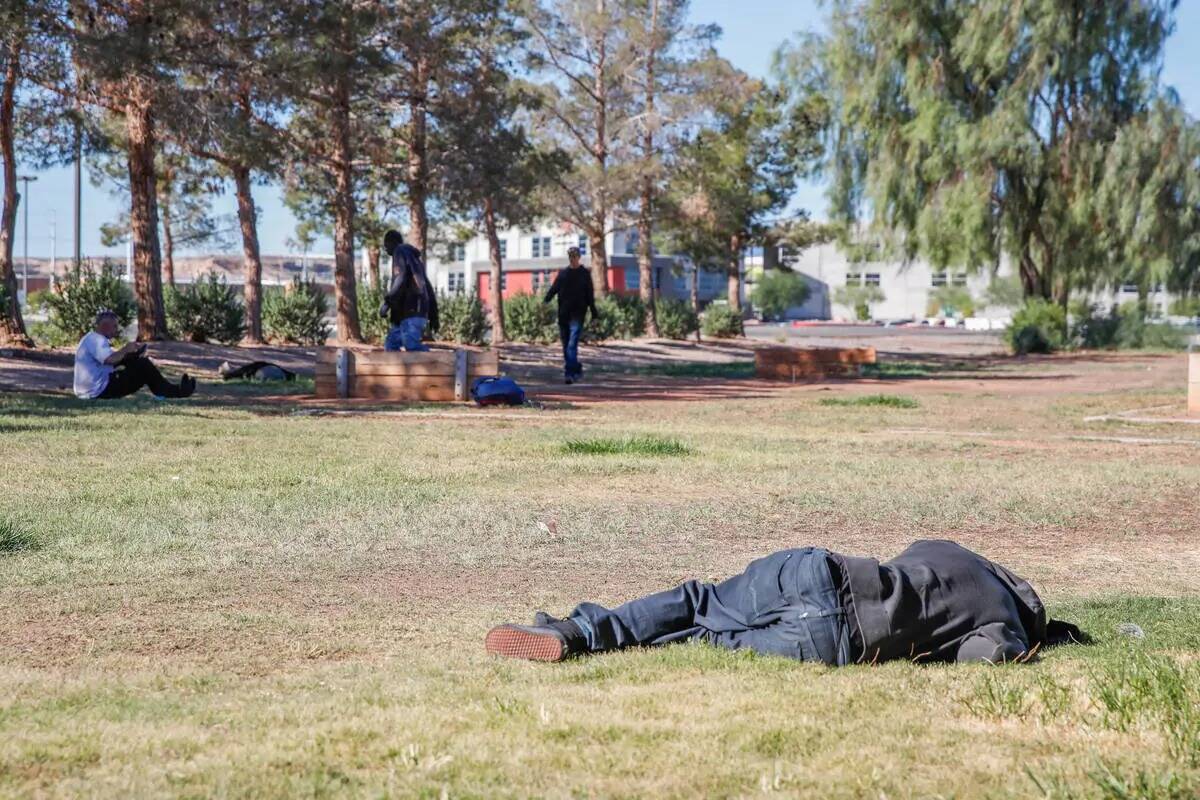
411 294
938 601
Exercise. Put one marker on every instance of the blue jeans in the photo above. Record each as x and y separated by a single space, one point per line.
784 604
569 331
407 335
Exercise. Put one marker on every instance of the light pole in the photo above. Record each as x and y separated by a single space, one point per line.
26 179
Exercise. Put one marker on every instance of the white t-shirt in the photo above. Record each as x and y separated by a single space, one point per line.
91 373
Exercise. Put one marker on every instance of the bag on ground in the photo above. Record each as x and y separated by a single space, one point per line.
497 391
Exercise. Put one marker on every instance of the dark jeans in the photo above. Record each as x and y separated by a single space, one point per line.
569 331
785 604
132 374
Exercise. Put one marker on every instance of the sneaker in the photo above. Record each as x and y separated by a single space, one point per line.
553 642
187 385
568 381
542 618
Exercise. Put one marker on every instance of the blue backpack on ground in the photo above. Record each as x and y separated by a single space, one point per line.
497 391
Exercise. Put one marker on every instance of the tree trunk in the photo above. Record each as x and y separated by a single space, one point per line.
12 325
695 292
168 261
734 271
343 217
373 266
599 253
495 296
143 218
418 165
646 212
251 259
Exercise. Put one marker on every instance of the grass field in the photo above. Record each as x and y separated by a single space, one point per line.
231 598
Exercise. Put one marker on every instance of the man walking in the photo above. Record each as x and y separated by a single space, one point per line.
936 601
573 287
102 373
410 304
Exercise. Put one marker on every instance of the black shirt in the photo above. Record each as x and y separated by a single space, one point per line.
573 286
405 297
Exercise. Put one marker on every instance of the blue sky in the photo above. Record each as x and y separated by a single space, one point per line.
752 30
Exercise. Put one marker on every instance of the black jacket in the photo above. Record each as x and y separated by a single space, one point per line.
573 286
404 297
939 601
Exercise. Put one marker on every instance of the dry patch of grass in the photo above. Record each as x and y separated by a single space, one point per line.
255 603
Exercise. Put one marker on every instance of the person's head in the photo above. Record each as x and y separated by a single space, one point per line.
573 255
392 240
106 323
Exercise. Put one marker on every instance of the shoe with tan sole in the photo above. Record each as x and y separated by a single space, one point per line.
553 642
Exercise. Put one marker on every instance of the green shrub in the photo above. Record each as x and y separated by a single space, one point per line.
860 298
621 317
528 319
1039 326
1185 307
721 322
951 301
296 315
463 318
777 291
676 319
208 310
373 327
1125 328
76 298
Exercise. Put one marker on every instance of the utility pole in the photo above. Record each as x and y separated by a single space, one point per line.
53 246
26 179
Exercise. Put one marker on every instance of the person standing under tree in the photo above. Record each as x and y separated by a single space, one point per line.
410 303
102 373
573 287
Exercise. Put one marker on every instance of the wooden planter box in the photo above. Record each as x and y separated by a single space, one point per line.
436 375
1194 384
811 363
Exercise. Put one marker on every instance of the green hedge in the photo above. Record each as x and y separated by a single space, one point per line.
462 318
1039 326
208 310
676 319
77 296
528 319
296 315
721 322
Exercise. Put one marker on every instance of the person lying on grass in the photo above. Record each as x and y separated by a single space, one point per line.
104 373
936 601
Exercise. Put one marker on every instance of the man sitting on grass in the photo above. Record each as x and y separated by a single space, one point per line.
936 601
102 373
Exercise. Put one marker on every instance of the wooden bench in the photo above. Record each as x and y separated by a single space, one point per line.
811 363
435 375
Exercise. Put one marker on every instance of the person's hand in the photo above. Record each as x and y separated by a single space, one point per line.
133 349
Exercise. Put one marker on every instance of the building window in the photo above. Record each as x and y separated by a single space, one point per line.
456 282
541 247
631 243
960 279
854 278
541 280
458 252
503 281
871 279
1130 288
940 279
583 243
504 248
